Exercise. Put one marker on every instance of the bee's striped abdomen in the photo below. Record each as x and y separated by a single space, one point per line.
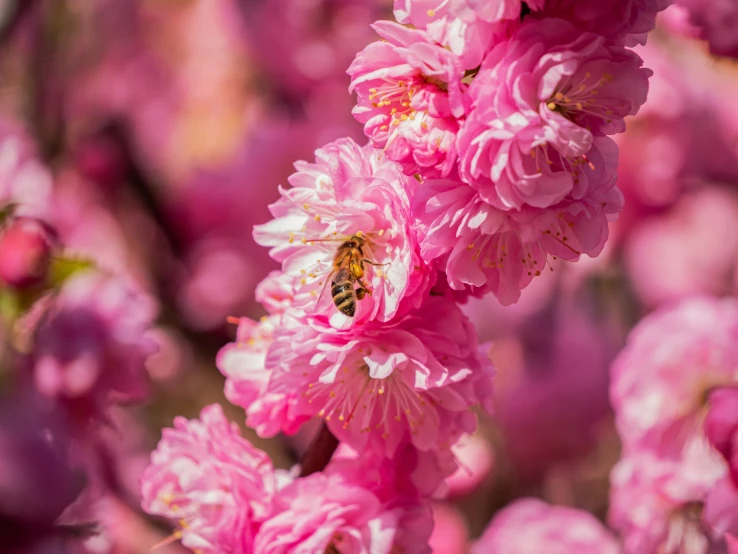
344 297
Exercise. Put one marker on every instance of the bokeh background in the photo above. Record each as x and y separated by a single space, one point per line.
169 124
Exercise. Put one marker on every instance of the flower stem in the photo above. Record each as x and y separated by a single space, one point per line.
320 452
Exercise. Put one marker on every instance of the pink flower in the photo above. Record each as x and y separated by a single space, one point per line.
529 526
410 474
673 358
414 378
717 20
350 193
700 231
537 102
91 346
656 503
423 12
215 483
721 426
469 28
621 21
409 98
327 513
450 530
485 249
476 459
721 510
23 179
247 380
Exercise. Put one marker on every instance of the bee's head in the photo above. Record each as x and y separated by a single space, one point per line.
355 241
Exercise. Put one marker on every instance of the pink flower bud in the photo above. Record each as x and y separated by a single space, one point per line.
25 251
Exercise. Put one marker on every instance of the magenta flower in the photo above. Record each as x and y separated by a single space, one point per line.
721 426
485 249
409 98
413 378
721 512
537 102
216 484
625 22
350 193
327 513
530 526
91 345
247 380
673 359
717 20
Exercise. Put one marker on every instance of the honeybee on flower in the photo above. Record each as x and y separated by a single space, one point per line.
344 228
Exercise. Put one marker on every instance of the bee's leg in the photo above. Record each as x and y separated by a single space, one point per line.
357 269
363 288
360 293
373 263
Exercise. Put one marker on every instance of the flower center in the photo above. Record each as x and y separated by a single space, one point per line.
355 398
571 100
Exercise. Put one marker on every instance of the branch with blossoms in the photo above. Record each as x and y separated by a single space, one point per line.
489 159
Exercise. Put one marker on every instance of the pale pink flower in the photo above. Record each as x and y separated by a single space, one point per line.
414 378
700 231
216 484
476 458
276 292
621 21
409 98
538 100
350 193
91 345
673 358
402 483
485 249
530 526
23 179
422 12
247 380
469 28
656 503
327 513
721 426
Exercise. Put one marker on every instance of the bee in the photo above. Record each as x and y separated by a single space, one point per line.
348 269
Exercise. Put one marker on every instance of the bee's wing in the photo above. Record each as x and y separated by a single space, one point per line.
326 285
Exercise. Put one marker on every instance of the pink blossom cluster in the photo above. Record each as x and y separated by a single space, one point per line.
504 114
227 497
674 393
489 153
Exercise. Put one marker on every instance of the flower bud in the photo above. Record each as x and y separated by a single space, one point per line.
25 252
